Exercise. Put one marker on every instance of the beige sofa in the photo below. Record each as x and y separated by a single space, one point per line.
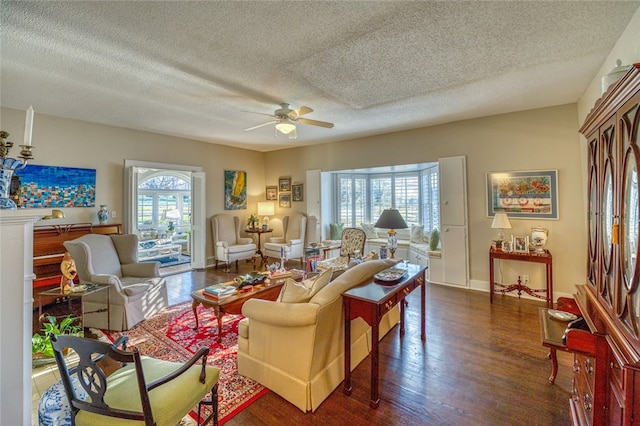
297 349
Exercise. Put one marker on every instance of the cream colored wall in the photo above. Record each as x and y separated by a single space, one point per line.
530 140
73 143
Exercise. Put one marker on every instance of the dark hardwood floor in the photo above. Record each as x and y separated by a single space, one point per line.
482 364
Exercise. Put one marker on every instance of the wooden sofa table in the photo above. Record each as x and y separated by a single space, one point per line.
232 304
371 301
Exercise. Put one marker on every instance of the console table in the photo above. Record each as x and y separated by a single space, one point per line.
544 258
371 301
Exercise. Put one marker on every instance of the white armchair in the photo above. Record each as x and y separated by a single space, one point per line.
228 244
293 241
137 290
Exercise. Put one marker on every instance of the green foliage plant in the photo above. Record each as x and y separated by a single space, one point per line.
251 222
41 344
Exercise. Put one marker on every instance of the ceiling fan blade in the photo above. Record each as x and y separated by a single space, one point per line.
260 125
315 123
261 113
300 111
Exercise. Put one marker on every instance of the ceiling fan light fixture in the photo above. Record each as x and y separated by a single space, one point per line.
285 126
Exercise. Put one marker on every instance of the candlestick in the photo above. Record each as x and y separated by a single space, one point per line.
28 126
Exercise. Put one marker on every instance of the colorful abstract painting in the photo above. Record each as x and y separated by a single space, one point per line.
235 190
52 186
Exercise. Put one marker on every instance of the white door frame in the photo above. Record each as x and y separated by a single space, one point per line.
198 219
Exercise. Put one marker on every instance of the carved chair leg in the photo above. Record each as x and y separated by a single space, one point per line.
213 403
216 267
236 265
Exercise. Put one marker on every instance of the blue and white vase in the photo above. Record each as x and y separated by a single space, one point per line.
103 214
6 171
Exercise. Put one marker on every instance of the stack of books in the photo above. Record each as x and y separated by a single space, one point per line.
219 291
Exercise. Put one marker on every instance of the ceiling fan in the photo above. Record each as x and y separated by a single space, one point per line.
285 119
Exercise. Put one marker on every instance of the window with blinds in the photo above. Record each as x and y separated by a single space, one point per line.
363 197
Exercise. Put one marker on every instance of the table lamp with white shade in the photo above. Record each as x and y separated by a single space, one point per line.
266 209
500 222
172 216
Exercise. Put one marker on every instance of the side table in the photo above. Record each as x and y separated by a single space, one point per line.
544 258
88 289
371 301
259 231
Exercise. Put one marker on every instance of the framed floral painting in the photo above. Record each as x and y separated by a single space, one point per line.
526 195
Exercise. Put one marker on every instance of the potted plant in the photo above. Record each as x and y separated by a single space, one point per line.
41 343
251 222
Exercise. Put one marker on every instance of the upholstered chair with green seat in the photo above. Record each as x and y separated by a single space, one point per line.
144 391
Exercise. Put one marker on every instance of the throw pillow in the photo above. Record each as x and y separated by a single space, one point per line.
301 292
369 230
335 231
417 233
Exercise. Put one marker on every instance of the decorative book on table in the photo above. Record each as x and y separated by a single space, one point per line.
220 290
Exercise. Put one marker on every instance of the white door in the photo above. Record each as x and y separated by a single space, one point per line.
453 216
198 221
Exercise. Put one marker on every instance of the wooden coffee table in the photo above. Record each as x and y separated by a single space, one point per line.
233 304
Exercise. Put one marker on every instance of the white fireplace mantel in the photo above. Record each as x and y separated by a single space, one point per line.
16 315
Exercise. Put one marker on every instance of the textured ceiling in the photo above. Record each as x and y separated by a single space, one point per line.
191 69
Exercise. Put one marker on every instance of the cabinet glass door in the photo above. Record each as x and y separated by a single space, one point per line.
607 209
628 301
592 215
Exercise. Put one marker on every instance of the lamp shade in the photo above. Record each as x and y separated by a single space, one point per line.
501 221
391 219
266 208
172 214
285 126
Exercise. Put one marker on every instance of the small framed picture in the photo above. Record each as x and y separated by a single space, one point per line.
520 244
284 184
272 193
297 191
284 200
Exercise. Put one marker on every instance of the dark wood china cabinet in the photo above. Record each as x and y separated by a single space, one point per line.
606 383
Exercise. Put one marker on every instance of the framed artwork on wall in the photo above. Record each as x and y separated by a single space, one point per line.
284 200
297 192
38 186
271 193
526 195
284 184
235 190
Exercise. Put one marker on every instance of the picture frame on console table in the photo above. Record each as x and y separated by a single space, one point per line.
525 195
520 244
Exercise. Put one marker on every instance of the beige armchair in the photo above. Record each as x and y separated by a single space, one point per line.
293 241
137 290
297 349
228 245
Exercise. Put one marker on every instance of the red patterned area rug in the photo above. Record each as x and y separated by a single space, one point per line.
169 335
